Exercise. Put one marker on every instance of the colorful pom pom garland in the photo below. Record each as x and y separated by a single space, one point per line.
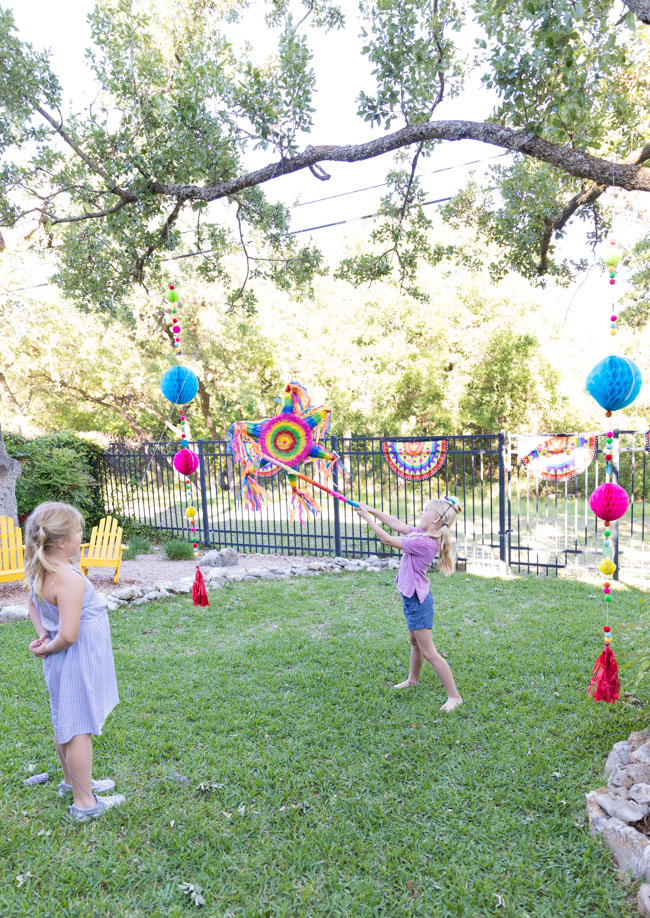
180 385
614 383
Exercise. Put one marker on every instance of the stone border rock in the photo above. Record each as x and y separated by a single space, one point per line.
218 568
613 810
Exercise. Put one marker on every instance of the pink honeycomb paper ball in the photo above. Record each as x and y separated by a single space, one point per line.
609 501
186 462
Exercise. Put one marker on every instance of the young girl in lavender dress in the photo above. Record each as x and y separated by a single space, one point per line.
420 546
74 640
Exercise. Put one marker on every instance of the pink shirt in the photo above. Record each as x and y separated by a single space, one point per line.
418 553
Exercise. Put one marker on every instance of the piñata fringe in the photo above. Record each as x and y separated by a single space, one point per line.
304 505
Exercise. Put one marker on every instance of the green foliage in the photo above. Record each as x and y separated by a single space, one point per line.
138 545
314 788
135 531
188 106
183 109
385 362
178 550
559 67
530 194
414 62
511 378
635 307
58 467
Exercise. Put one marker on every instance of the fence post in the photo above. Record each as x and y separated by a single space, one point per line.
337 518
503 525
615 465
204 496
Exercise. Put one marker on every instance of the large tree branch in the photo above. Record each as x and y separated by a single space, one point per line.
574 162
587 196
87 216
104 402
92 165
640 8
20 411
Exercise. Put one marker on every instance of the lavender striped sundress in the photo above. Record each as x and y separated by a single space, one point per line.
80 680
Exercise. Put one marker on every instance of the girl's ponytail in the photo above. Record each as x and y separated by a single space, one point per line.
446 561
447 509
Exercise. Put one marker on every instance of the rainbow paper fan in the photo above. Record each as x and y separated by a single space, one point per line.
415 460
560 458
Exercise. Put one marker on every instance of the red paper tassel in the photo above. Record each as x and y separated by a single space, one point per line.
199 593
604 679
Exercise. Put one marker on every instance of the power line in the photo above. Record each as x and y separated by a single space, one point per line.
309 229
343 194
332 197
20 289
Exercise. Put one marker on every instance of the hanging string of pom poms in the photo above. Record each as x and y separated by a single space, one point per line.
180 385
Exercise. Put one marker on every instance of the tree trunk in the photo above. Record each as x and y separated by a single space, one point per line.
10 470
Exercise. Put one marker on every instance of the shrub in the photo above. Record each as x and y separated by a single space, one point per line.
178 550
58 466
138 545
134 529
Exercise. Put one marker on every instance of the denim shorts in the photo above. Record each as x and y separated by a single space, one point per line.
418 614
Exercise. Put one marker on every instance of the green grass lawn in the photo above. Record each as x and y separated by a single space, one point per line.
313 788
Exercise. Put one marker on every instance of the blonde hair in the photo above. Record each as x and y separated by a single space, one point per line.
448 511
48 524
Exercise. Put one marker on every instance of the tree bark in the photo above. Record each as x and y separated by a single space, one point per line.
640 8
10 470
24 423
204 397
574 162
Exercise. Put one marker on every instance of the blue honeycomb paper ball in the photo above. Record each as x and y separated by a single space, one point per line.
614 382
179 385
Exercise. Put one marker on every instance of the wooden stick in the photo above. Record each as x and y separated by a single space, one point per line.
311 481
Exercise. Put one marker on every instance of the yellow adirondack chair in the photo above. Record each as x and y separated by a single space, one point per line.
105 547
11 551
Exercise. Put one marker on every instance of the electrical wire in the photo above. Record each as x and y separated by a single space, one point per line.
318 201
343 194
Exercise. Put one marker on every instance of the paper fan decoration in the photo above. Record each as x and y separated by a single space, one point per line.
415 460
560 458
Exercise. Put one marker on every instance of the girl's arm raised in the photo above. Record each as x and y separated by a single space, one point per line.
381 534
388 520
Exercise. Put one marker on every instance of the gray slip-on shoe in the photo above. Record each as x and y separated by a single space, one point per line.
101 805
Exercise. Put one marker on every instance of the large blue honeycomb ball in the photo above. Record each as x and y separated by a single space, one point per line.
179 385
614 382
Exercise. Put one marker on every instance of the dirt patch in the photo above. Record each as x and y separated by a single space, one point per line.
147 570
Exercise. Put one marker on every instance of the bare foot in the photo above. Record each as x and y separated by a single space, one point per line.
407 684
451 703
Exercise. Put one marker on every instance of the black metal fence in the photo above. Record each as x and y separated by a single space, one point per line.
510 518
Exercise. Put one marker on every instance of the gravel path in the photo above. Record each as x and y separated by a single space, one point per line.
146 570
